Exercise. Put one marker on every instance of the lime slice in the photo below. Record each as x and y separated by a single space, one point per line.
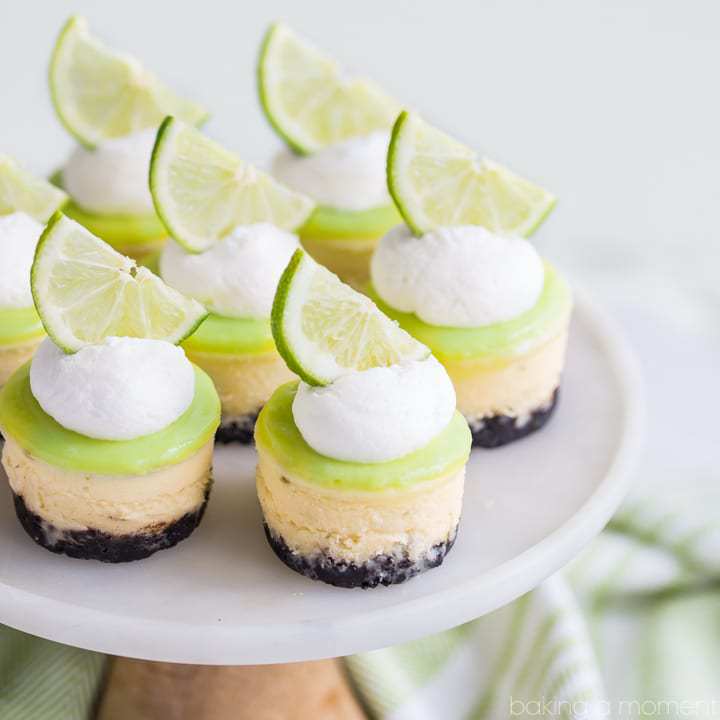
310 101
324 329
435 181
85 291
21 192
99 93
202 191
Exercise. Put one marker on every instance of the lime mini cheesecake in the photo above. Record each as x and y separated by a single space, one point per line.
26 204
232 238
109 429
461 279
113 107
361 464
337 131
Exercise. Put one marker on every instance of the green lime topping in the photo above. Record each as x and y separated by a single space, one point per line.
328 223
22 419
231 336
277 434
501 340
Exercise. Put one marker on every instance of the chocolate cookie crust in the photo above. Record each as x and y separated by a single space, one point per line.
94 544
492 432
380 570
239 430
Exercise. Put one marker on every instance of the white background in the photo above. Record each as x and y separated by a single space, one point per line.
612 105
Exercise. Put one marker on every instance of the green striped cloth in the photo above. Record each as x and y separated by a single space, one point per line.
630 630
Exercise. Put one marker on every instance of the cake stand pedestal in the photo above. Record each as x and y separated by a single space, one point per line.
144 690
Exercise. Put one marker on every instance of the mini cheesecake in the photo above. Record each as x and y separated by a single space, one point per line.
20 333
353 524
108 500
240 357
344 240
506 375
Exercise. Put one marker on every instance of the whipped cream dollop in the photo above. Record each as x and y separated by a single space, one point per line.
236 277
113 177
121 389
349 175
378 414
19 234
457 276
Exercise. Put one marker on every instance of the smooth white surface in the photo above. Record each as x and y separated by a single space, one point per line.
113 177
120 389
19 234
378 414
221 597
463 276
348 175
237 276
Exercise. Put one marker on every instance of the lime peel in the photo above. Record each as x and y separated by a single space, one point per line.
99 93
436 181
202 191
22 192
324 329
84 291
309 100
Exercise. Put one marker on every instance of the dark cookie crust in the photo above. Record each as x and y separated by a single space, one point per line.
381 570
500 430
98 545
238 431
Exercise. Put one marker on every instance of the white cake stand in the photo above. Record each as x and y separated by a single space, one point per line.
221 597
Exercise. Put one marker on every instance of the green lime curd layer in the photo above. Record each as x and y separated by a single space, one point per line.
499 340
119 230
19 325
277 434
328 223
22 419
231 336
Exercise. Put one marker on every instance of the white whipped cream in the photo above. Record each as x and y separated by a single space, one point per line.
457 276
348 175
113 177
378 414
121 389
19 234
237 276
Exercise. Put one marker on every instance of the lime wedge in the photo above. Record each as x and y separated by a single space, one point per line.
84 291
436 181
324 329
202 191
99 93
310 101
21 192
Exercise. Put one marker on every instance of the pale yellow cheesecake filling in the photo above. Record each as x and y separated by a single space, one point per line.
349 259
120 505
358 526
515 387
243 382
13 356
